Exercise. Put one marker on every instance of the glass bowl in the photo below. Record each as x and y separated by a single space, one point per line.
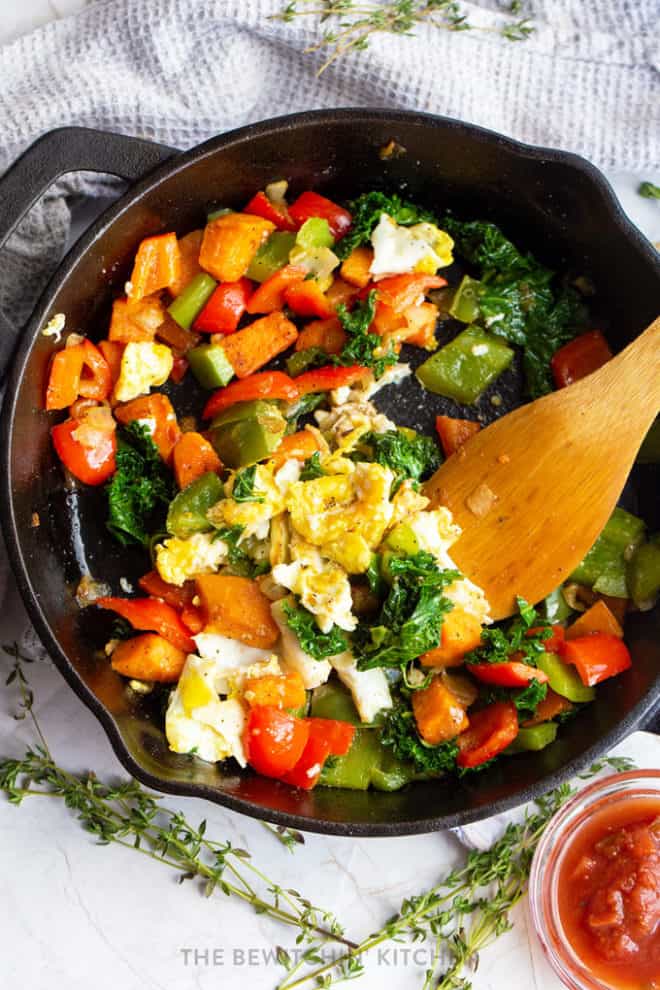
602 796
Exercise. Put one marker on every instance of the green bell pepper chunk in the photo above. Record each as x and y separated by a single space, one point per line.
556 607
649 452
564 679
401 542
271 256
354 771
221 211
604 567
210 365
643 572
465 304
187 512
533 738
333 700
391 773
315 233
464 368
304 360
189 303
247 432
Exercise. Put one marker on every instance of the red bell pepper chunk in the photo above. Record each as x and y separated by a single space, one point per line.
274 740
311 204
152 615
177 597
96 378
554 643
579 358
597 656
269 297
401 291
225 307
193 619
512 673
261 385
179 368
328 377
261 206
339 735
491 731
306 299
327 737
454 433
90 464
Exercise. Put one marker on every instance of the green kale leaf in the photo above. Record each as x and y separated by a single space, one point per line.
317 644
243 490
240 562
361 344
525 699
400 733
411 617
518 299
499 642
415 457
366 211
312 468
140 489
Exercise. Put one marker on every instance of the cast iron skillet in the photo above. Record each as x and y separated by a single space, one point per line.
555 204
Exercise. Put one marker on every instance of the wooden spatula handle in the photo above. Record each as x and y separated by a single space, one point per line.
636 370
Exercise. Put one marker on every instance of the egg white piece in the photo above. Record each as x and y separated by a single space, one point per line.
231 660
198 721
400 250
369 688
313 672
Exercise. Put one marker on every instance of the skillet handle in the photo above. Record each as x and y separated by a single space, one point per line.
67 149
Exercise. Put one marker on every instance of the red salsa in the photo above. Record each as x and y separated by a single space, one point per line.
609 894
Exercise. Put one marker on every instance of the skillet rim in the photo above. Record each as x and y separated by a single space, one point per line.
178 162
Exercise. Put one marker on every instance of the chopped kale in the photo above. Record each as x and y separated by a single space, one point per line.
400 733
243 490
302 407
499 642
411 617
410 456
361 344
367 210
312 468
240 561
317 644
141 487
518 299
525 699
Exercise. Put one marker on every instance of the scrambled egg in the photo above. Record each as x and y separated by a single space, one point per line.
321 584
270 486
198 721
143 365
346 423
399 250
179 560
369 688
313 672
232 660
345 515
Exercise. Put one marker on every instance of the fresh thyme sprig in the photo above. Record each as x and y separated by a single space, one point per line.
468 909
127 815
290 838
356 21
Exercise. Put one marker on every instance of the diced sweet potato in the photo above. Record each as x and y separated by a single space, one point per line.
189 248
193 456
280 690
355 269
148 657
257 344
328 335
461 632
341 292
230 243
597 619
552 705
135 321
438 713
422 321
157 266
235 607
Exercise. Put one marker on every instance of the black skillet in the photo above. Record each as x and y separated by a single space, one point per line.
555 204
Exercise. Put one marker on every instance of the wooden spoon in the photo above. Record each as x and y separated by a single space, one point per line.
533 490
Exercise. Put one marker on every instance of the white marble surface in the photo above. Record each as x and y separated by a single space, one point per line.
75 914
